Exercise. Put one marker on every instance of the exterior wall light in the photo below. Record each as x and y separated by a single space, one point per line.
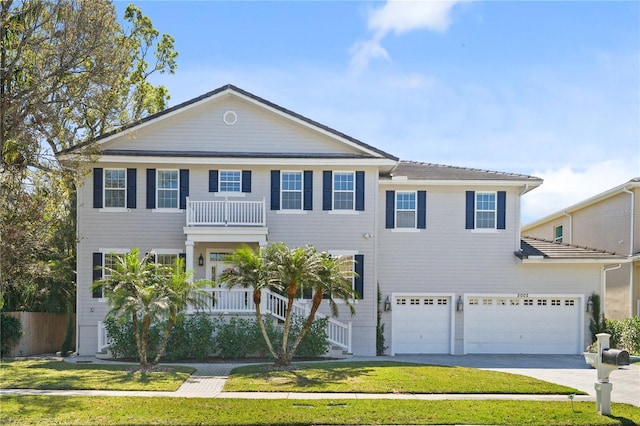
589 304
201 260
387 304
459 304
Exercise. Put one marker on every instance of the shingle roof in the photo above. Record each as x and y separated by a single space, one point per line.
429 171
533 247
230 87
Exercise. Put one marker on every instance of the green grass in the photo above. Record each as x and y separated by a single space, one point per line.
385 377
53 410
46 374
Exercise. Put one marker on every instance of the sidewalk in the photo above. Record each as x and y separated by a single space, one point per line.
209 379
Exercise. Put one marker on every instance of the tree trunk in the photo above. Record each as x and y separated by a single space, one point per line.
317 300
146 323
257 299
291 294
165 338
136 332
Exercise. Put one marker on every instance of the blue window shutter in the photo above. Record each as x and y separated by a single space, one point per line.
308 190
213 181
183 259
275 189
390 209
470 209
184 187
246 181
360 191
97 274
131 188
502 210
327 178
97 188
359 279
151 188
422 210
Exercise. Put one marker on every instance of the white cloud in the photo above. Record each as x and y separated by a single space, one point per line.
566 186
400 16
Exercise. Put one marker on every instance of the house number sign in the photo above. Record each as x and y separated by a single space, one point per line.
523 294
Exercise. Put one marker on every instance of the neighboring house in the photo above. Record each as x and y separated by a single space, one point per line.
607 221
441 243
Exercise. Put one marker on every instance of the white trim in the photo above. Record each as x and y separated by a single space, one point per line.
114 250
476 210
176 189
230 193
114 210
291 211
484 230
167 251
406 230
354 212
250 161
168 210
452 312
466 183
301 191
105 189
414 210
352 173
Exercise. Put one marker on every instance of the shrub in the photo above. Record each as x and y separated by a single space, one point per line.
67 343
236 338
190 338
122 341
314 343
625 334
10 332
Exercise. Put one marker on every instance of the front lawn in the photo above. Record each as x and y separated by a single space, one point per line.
24 410
385 377
47 374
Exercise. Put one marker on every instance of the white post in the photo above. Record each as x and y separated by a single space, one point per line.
189 258
602 386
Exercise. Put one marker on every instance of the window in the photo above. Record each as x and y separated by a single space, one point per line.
343 190
405 209
485 210
166 259
557 234
103 264
115 187
168 189
230 181
291 190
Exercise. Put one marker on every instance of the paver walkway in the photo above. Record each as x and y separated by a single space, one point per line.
208 380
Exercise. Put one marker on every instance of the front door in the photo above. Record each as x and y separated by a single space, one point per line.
215 265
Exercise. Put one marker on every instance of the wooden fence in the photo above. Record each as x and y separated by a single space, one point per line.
42 333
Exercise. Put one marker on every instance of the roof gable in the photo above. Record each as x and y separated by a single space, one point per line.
230 121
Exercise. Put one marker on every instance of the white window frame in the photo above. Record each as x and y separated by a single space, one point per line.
414 210
176 189
300 191
479 210
221 181
334 191
105 189
108 252
557 239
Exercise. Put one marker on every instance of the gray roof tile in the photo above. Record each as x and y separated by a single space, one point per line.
429 171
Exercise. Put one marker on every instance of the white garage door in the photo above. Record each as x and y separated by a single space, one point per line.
421 324
528 325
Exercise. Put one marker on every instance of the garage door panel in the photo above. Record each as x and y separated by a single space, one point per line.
421 324
544 325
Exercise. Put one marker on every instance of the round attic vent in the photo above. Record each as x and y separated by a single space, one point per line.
230 118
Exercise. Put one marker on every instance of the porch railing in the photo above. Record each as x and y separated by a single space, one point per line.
240 301
226 213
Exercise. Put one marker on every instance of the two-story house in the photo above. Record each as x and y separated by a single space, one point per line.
606 221
442 244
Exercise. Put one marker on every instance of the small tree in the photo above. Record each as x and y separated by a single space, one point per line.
285 270
597 323
133 289
181 291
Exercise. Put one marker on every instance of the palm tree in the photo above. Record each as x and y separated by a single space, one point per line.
132 288
292 269
181 292
335 281
249 271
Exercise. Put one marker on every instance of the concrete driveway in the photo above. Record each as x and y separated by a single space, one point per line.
568 370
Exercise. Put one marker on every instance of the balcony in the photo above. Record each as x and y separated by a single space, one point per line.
226 213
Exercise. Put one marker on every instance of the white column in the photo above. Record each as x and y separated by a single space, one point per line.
189 258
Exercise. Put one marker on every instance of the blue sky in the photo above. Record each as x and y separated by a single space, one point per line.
543 88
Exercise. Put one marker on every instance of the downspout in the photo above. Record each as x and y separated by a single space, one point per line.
631 225
603 290
570 226
519 215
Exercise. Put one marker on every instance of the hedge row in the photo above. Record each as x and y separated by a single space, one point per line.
200 336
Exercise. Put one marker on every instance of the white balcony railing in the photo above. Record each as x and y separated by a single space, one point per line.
240 300
226 213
